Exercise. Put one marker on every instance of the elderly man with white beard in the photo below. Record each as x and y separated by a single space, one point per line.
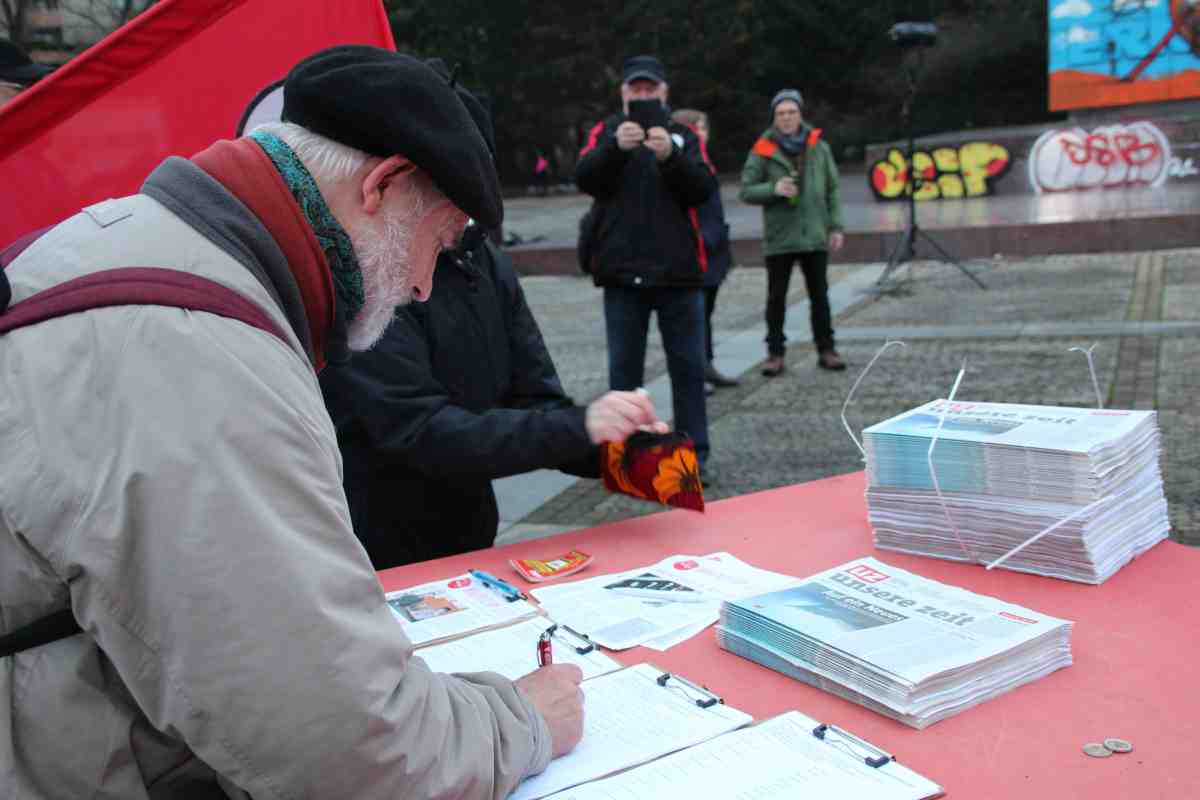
170 483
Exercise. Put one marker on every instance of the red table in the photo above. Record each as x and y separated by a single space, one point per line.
1134 643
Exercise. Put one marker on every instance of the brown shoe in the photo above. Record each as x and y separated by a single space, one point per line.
829 359
717 379
773 366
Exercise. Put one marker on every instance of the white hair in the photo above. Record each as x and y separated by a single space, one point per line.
383 246
384 260
326 159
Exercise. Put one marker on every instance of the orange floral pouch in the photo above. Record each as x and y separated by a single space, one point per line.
659 467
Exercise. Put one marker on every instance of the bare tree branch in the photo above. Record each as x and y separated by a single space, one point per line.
105 15
15 17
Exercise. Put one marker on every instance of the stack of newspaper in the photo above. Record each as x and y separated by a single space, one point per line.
913 649
1007 473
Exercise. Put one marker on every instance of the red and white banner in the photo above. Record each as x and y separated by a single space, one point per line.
171 82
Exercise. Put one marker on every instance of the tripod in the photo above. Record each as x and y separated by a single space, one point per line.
905 249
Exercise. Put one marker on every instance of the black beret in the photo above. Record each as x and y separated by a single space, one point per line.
385 103
476 105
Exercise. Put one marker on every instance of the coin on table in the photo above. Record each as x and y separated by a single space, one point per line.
1096 750
1118 745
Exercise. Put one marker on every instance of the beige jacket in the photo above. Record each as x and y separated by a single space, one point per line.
174 478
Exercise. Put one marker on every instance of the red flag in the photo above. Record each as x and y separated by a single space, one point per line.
171 82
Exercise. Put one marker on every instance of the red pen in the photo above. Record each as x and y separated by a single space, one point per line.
545 653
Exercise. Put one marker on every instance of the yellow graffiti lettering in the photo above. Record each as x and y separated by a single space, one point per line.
946 159
926 176
966 171
951 185
981 161
889 176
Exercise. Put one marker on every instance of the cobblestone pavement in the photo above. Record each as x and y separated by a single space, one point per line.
773 432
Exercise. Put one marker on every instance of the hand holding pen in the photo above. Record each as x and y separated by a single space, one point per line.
555 693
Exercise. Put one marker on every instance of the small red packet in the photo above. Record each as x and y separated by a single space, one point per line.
536 571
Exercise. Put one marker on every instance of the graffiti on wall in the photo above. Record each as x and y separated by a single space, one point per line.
1182 167
1107 157
1118 52
970 170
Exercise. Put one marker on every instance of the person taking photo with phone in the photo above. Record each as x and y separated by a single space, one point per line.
642 245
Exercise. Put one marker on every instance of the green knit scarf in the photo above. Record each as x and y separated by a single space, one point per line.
334 241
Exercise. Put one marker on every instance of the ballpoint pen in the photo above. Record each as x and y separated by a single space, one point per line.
510 592
545 649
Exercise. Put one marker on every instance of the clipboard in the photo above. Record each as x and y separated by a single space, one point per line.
789 755
633 716
871 757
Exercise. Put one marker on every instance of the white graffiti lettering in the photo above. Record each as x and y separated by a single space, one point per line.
1182 167
1137 154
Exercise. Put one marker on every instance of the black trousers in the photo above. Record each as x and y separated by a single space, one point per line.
814 264
710 302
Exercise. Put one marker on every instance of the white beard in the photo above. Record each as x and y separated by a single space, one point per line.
383 259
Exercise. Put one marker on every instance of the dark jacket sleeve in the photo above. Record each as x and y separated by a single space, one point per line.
533 383
689 178
598 171
393 396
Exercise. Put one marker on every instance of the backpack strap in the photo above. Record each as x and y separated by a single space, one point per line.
152 286
50 628
145 286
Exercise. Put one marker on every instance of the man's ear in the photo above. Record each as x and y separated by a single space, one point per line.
383 176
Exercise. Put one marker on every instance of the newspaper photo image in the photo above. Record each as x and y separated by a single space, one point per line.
824 611
927 424
416 607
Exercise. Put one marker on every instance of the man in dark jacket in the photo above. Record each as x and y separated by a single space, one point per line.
458 392
643 246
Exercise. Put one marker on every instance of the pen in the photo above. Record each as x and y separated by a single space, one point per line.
507 589
545 650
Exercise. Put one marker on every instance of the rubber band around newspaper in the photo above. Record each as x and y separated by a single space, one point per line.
850 396
933 473
1040 534
1091 368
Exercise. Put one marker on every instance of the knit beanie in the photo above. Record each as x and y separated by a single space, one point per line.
786 94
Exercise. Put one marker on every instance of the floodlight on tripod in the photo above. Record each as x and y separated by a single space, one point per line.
914 36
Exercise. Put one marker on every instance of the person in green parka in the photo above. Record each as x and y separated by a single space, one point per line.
790 172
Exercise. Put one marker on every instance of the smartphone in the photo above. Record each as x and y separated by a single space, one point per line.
648 113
